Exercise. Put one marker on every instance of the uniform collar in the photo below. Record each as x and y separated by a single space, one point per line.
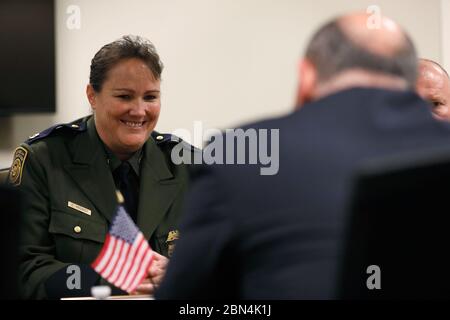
90 171
113 161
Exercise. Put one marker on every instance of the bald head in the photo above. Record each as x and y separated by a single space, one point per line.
347 53
386 40
433 85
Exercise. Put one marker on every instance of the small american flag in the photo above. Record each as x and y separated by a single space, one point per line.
126 255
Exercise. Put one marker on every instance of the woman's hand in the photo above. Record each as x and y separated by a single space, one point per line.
155 274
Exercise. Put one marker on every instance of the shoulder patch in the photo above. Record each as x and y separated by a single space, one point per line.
76 126
15 173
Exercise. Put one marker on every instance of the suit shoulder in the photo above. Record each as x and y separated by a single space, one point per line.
71 128
266 123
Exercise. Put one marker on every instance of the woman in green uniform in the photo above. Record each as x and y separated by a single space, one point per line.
69 173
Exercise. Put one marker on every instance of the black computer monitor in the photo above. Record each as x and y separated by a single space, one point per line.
399 222
27 57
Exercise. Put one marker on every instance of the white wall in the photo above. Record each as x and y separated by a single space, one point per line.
227 61
445 19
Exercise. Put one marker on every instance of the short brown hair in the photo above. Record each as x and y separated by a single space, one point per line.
124 48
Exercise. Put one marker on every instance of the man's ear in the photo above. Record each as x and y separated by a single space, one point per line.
307 82
91 95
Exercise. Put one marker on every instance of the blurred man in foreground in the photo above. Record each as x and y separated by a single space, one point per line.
250 236
433 85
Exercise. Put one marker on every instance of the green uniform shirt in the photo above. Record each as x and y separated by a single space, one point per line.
70 199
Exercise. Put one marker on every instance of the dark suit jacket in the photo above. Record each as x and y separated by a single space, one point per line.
67 164
249 236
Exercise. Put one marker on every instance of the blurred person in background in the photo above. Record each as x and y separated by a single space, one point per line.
281 236
433 85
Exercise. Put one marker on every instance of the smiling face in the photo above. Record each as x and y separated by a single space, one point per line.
127 107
